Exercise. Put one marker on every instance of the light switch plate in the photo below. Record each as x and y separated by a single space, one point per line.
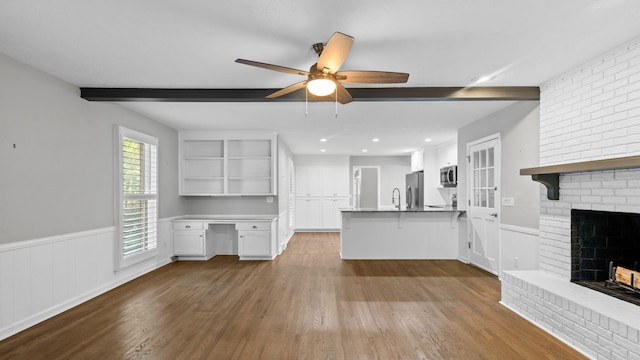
508 201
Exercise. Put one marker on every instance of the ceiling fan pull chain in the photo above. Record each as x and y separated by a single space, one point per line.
306 102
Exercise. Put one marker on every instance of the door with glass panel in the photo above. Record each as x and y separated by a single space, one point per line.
483 206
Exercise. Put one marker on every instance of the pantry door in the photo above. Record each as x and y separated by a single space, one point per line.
483 209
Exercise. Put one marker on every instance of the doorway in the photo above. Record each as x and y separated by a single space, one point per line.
366 187
484 207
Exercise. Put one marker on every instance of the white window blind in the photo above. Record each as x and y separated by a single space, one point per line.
138 197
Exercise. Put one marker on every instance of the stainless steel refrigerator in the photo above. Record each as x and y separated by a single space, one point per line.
415 195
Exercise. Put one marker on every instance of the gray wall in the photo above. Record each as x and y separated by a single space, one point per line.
392 173
518 125
59 177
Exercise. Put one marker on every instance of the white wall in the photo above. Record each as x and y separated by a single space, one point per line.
57 156
56 196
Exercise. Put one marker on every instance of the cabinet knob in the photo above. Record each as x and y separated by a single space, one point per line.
254 226
188 227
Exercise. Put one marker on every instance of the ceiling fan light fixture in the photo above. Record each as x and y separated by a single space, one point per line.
321 87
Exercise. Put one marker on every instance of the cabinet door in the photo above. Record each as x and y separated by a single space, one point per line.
308 180
308 213
335 181
254 243
188 243
331 216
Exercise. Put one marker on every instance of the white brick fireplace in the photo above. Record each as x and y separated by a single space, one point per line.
590 113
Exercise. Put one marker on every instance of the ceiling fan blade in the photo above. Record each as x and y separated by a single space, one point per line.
343 95
371 77
335 52
273 67
288 89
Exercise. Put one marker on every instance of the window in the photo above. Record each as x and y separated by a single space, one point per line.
137 197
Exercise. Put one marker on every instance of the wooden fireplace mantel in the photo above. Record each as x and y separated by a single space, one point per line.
549 175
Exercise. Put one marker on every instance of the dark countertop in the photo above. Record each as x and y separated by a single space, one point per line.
428 208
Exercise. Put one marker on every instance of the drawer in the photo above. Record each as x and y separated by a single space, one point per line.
253 226
188 225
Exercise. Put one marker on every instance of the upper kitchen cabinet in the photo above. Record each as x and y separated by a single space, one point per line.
308 180
335 181
316 180
227 163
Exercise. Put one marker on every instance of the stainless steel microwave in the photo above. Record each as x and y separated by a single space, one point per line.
449 176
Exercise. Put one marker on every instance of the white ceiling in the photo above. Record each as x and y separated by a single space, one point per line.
193 44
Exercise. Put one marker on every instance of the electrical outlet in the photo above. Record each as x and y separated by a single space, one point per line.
515 262
508 201
269 199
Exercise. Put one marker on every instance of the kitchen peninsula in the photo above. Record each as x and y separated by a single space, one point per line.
429 233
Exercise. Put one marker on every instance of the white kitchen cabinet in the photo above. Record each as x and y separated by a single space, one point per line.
320 191
188 243
331 217
189 239
308 180
309 213
335 181
227 163
255 240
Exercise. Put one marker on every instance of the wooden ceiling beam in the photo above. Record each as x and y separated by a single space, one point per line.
479 93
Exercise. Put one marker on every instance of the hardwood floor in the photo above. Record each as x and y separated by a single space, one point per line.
307 304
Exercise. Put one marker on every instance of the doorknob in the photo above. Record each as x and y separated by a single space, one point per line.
494 214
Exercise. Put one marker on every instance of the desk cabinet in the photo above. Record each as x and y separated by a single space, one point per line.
255 241
189 239
195 239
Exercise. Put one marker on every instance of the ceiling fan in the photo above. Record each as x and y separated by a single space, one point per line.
323 78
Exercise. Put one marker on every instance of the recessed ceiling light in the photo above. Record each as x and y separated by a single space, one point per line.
375 139
323 140
364 150
322 150
427 139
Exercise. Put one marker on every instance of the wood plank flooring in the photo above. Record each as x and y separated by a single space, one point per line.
307 304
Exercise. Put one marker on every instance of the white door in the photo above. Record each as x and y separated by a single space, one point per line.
483 210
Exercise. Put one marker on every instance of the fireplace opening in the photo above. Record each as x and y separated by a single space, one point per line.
600 240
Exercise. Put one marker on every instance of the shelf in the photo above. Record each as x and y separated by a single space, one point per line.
204 178
549 176
203 158
228 163
249 158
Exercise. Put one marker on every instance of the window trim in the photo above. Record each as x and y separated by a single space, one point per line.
120 262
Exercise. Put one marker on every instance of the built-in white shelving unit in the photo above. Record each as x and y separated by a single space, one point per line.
227 163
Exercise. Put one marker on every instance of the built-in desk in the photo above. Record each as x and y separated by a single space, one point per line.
201 237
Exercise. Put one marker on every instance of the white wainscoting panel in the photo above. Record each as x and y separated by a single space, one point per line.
43 277
519 248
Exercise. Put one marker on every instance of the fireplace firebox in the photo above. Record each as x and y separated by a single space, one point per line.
599 239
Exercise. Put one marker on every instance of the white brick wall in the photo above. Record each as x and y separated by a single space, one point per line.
593 112
590 113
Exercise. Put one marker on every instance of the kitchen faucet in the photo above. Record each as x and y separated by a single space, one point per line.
393 198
